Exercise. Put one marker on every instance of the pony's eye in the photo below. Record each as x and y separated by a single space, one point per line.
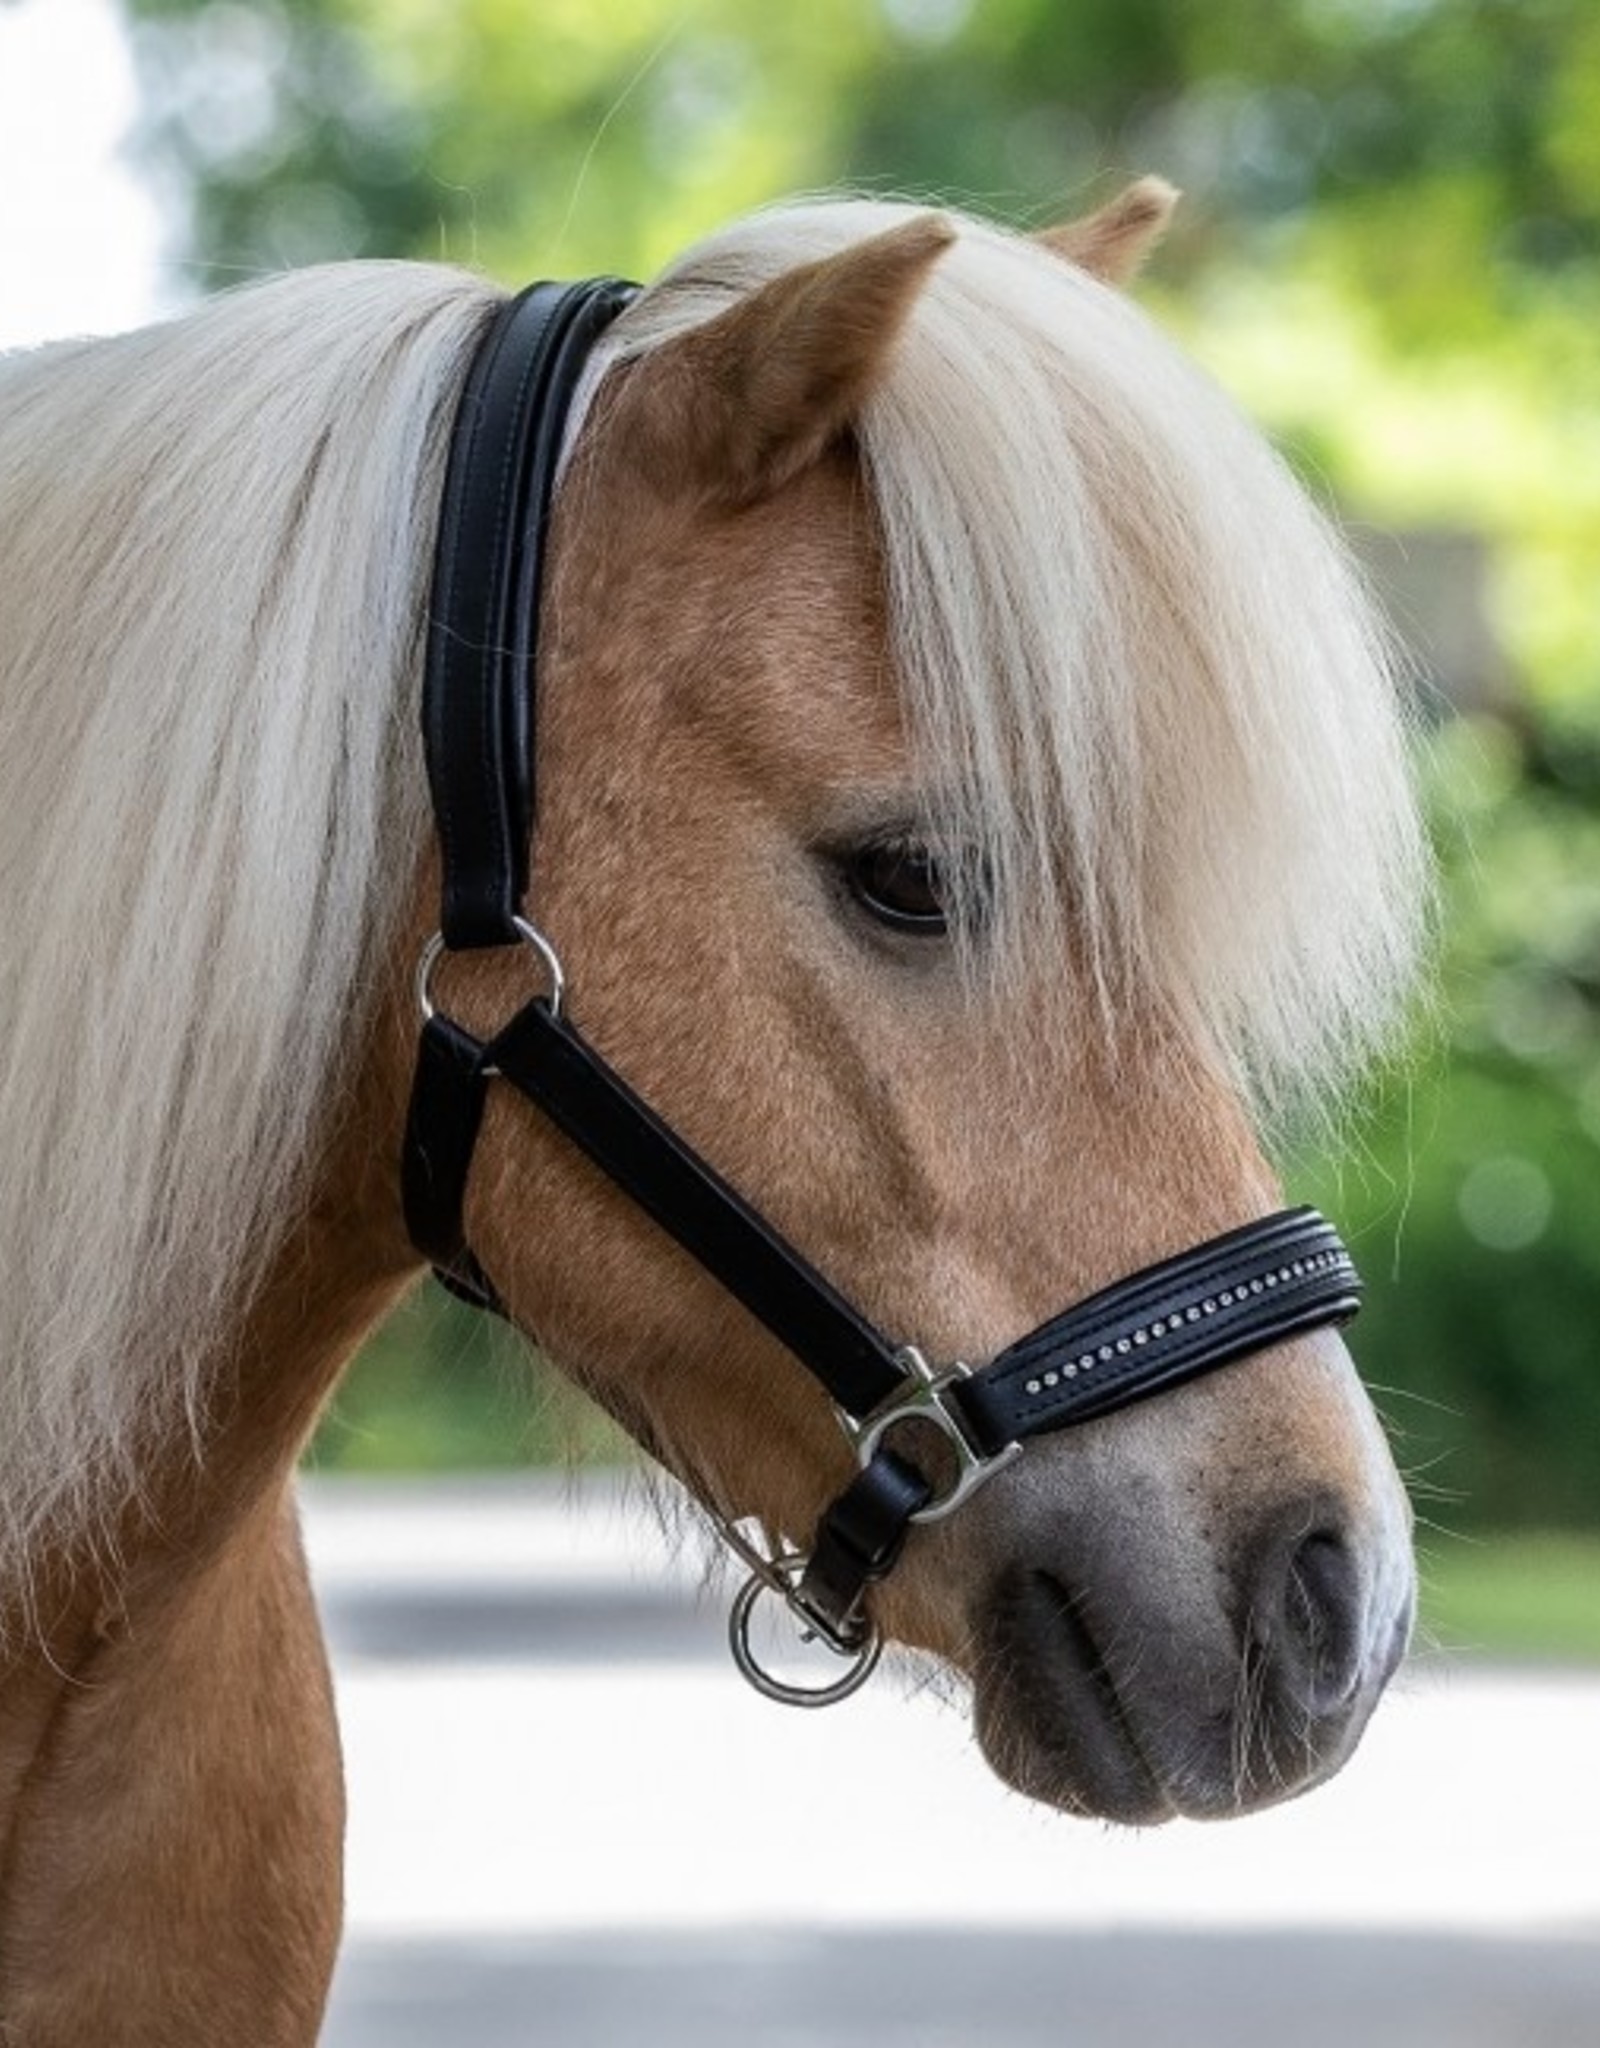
901 882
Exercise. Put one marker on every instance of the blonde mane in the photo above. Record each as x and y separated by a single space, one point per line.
1135 658
215 538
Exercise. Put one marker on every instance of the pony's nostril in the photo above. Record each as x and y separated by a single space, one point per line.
1322 1611
1308 1616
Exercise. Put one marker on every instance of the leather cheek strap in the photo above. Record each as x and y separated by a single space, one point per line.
478 697
449 1087
556 1068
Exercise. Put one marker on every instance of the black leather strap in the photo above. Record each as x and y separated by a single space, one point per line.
555 1066
860 1538
1251 1288
448 1090
478 707
478 697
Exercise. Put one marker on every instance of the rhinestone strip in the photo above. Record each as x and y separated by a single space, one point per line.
1311 1268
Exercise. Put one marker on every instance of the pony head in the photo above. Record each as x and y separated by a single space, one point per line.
972 803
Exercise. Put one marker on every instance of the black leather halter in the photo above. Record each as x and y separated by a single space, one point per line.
1238 1293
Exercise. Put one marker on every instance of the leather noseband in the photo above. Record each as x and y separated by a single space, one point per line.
1238 1293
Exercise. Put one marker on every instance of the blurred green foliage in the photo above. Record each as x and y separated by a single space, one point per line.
1516 1595
440 1387
1472 1190
1391 251
1444 150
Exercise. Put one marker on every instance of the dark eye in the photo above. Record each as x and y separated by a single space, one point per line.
901 882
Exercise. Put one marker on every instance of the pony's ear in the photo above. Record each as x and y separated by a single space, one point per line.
1113 242
740 405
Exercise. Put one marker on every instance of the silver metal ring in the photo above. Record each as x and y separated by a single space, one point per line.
426 962
530 935
865 1655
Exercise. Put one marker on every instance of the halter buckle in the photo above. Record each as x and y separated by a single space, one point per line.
926 1399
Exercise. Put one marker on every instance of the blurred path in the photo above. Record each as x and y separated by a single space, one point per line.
571 1823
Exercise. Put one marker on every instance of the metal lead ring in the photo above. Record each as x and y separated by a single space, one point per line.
530 935
865 1654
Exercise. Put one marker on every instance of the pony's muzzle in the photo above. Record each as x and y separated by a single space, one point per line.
1107 1686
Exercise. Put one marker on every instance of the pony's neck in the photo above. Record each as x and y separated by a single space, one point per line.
145 1666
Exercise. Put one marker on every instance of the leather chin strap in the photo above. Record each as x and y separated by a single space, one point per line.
1239 1293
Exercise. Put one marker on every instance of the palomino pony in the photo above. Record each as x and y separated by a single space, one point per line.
971 796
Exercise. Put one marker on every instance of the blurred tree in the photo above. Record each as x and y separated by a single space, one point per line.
478 131
1473 1192
1455 140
